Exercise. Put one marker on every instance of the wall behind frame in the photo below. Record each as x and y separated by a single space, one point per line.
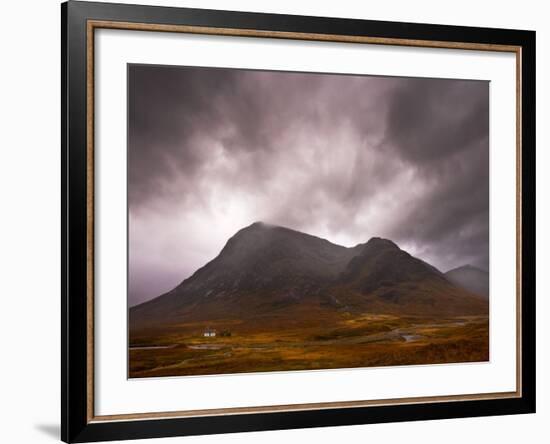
30 219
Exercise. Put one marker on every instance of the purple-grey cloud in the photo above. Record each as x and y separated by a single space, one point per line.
338 156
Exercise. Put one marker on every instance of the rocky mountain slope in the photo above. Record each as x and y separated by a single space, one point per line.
268 272
470 278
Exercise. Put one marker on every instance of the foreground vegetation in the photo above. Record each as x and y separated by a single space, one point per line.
263 345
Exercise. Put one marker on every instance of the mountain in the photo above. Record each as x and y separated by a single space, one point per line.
266 272
389 279
471 278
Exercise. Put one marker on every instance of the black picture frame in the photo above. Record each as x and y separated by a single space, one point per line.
76 423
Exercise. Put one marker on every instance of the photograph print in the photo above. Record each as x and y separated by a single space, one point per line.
285 221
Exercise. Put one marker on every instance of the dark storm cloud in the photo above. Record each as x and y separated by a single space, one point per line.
342 157
175 114
429 119
442 128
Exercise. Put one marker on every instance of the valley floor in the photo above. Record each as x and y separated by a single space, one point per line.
361 341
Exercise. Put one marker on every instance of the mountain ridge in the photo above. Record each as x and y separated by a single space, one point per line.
266 270
471 278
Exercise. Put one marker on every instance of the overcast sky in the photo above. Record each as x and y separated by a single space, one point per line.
345 158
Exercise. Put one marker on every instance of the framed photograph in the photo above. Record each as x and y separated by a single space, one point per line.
275 221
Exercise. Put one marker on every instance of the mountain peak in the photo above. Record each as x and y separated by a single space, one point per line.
379 243
377 239
254 230
266 252
260 224
266 268
471 278
256 226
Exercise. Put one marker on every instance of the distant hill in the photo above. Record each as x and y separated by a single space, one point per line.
266 272
471 278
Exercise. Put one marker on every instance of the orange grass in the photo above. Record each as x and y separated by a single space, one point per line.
278 345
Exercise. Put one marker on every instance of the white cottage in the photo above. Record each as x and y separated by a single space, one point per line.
209 333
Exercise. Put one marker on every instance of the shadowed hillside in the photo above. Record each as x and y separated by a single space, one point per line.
470 278
276 299
269 271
